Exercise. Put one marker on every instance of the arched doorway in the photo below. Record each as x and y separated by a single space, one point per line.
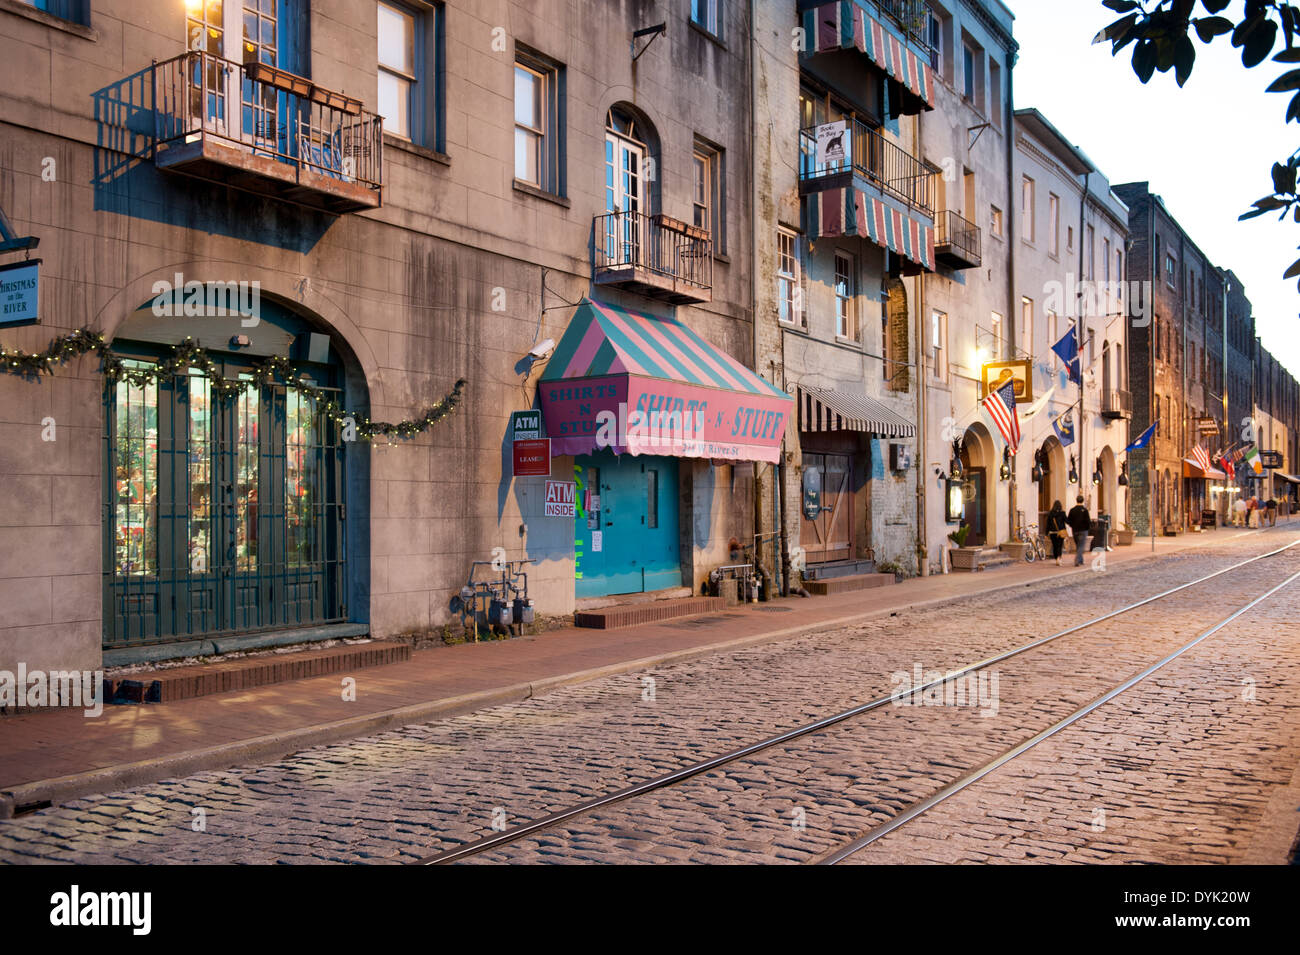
1108 491
1055 478
225 510
977 461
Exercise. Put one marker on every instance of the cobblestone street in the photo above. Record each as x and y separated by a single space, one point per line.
1192 765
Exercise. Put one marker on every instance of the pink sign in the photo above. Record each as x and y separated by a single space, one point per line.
629 414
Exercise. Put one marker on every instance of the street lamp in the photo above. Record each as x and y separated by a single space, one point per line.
1074 471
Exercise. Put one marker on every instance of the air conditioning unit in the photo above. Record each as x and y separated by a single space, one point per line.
900 457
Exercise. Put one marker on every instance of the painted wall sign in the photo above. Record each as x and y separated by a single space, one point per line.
20 285
1020 370
561 499
526 425
532 458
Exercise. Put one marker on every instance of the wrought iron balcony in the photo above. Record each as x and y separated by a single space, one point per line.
1116 404
912 17
264 130
654 256
956 241
870 156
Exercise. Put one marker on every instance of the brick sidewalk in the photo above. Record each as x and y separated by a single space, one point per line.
59 753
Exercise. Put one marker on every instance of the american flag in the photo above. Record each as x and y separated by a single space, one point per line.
1202 458
1000 403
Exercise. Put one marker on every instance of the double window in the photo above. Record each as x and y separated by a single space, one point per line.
75 11
709 195
789 278
539 129
410 68
846 290
939 344
707 15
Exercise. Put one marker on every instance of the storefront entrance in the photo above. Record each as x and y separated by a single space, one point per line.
826 531
223 513
625 534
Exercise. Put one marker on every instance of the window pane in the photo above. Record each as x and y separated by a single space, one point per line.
396 39
528 96
527 156
394 103
136 478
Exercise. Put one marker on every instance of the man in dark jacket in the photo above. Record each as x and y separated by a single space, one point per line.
1080 522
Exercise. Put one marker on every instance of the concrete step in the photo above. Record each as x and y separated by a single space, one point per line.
839 585
630 615
183 683
838 568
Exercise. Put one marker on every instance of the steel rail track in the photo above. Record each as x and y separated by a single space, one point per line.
474 847
916 809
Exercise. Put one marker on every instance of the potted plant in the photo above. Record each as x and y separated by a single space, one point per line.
1124 536
962 557
1016 549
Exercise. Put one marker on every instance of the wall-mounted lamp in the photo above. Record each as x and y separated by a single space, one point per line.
1123 474
1005 471
1096 473
1074 471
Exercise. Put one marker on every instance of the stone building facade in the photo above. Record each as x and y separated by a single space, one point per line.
520 169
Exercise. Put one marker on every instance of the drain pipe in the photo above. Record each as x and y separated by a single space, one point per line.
922 550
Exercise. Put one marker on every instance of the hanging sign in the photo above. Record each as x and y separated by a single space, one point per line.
20 293
561 499
832 148
532 458
526 425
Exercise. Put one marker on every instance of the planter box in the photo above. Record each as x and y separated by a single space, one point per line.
1124 538
1016 549
964 558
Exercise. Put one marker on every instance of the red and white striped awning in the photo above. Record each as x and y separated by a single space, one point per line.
845 24
851 211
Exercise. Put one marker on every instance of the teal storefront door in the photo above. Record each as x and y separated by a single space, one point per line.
625 533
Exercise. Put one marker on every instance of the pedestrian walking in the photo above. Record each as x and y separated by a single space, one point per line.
1252 513
1080 522
1056 530
1239 512
1270 508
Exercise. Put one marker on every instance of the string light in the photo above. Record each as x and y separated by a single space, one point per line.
188 354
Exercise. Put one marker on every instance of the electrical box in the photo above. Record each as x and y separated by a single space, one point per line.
900 457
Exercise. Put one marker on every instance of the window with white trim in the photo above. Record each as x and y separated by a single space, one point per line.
789 278
939 344
846 289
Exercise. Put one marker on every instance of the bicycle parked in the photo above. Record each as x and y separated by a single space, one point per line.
1037 547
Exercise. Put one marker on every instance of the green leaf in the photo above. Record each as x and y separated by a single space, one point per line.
1259 44
1184 59
1207 28
1293 111
1215 6
1288 56
1285 83
1120 6
1144 60
1293 271
1283 179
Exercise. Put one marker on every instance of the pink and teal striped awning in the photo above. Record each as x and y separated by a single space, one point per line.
846 24
641 384
851 211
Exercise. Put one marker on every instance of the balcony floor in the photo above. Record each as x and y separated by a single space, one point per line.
643 281
216 160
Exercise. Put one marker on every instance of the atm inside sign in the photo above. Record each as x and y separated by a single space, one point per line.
561 499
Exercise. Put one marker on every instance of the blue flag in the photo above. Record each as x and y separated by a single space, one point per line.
1067 349
1143 439
1063 425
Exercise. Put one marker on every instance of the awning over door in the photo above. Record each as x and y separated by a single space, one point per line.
851 211
845 24
1192 470
1287 477
640 384
825 409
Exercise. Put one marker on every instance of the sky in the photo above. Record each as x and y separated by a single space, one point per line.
1206 148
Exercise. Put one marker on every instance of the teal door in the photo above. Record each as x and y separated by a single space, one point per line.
625 533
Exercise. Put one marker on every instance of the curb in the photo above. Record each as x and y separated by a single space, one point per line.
58 789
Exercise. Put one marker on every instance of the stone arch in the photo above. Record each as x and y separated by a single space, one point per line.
1109 490
1054 485
980 464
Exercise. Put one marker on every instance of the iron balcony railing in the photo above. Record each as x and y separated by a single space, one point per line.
960 236
867 153
912 17
656 244
1117 403
267 112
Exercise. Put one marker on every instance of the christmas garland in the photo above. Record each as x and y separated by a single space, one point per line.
188 354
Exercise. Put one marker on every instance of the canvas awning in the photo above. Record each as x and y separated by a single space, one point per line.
1193 470
1287 477
641 384
845 24
852 211
825 409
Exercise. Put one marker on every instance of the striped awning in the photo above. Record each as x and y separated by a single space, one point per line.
1193 470
825 409
845 24
641 384
851 211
